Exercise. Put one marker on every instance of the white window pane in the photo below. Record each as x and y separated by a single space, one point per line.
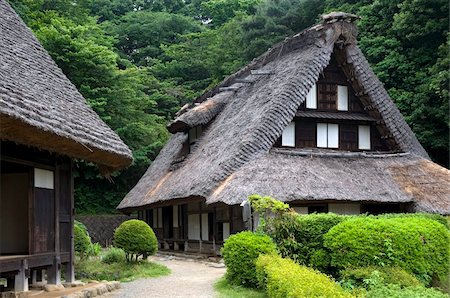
175 216
333 136
160 220
342 98
205 229
226 230
43 178
364 137
193 227
322 135
155 218
311 98
288 136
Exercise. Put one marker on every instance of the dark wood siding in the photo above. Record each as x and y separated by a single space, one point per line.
43 220
305 134
326 97
64 173
348 137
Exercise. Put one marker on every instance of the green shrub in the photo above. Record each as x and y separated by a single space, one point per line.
300 237
437 217
285 278
114 255
418 245
136 238
395 291
357 277
82 241
240 252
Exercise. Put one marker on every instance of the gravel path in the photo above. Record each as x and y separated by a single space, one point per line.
189 278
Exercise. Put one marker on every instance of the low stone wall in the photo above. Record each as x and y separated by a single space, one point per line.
101 227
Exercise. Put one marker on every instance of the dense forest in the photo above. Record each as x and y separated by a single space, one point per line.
138 61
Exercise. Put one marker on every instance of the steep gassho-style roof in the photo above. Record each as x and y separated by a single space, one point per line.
247 113
40 107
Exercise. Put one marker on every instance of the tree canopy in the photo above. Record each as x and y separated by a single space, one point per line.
137 62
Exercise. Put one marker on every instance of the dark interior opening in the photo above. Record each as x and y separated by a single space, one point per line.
14 186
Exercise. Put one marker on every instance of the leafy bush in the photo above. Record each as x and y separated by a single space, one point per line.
357 277
418 245
114 255
437 217
378 289
395 291
285 278
82 241
300 237
240 252
136 238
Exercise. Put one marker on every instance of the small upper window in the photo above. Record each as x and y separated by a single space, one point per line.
311 98
342 98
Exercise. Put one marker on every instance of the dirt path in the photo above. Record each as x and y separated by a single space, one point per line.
189 278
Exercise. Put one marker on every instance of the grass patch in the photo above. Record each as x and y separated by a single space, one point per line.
225 289
94 269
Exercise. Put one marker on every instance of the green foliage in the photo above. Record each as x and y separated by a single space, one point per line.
395 291
82 241
436 217
95 269
300 237
240 252
357 277
113 255
140 34
285 278
263 204
379 289
418 245
136 238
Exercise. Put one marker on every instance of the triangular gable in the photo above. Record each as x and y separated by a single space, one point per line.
259 102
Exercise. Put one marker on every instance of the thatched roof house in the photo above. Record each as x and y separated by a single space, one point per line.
40 107
45 123
306 122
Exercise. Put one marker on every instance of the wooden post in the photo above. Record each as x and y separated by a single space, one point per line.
200 221
70 266
21 278
54 272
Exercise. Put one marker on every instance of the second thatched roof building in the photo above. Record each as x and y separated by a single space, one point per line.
309 123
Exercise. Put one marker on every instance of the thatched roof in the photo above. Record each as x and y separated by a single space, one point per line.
40 107
256 104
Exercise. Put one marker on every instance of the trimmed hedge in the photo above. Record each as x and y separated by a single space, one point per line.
395 291
357 277
285 278
300 237
240 252
136 238
416 244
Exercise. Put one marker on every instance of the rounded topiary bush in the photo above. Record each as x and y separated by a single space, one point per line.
418 245
136 238
82 241
240 252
